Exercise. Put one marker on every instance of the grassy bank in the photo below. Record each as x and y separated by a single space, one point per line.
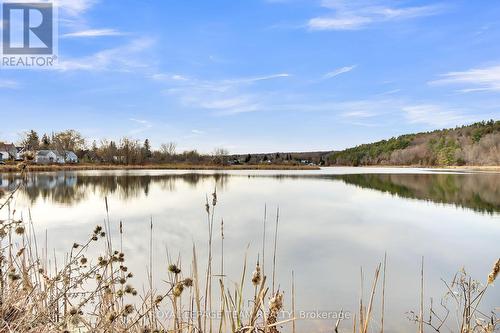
180 166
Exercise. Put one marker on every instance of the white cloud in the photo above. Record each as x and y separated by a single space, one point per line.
260 78
144 126
8 84
71 7
93 33
339 71
338 23
168 77
477 79
434 115
228 103
353 15
222 97
124 58
75 7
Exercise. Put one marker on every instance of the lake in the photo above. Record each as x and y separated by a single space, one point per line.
332 222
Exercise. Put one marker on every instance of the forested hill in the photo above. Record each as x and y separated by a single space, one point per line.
476 144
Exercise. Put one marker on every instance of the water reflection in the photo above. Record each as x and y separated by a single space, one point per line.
479 192
72 188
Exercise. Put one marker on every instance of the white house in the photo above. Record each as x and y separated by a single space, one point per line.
53 156
7 151
71 157
4 156
48 156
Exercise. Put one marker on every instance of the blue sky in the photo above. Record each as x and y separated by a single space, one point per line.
261 75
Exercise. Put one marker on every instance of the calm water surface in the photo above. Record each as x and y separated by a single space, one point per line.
332 222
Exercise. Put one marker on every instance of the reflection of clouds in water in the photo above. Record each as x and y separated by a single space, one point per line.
328 230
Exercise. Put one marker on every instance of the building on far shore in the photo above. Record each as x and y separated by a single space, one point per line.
8 151
70 157
53 156
48 156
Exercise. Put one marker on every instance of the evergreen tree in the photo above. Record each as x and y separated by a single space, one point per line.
146 150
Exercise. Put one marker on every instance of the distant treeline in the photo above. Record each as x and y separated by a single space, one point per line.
124 151
476 144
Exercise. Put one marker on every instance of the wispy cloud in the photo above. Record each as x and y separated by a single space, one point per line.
93 33
339 71
435 115
144 126
123 58
353 15
221 97
8 84
76 7
476 79
73 7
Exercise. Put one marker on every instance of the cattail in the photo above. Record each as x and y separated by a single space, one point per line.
256 276
275 306
494 273
178 289
276 303
214 198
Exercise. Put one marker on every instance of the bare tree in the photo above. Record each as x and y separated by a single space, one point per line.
68 140
168 149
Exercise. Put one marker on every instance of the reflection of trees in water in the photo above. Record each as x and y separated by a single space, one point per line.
480 192
70 188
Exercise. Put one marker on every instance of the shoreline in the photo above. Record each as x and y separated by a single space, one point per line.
11 168
491 168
